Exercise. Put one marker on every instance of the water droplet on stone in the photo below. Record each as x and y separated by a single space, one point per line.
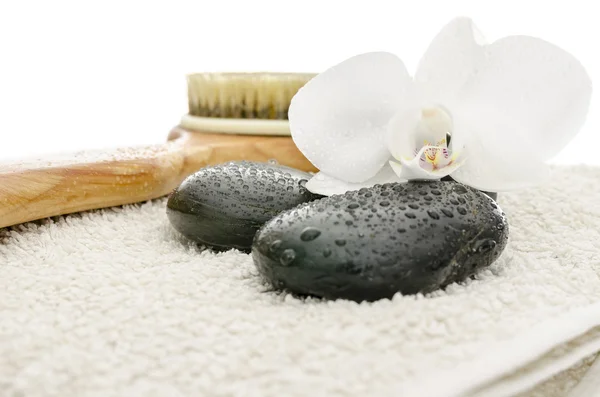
486 246
414 206
273 162
309 234
461 211
287 257
326 252
447 212
410 215
353 206
460 189
340 242
384 203
433 214
275 245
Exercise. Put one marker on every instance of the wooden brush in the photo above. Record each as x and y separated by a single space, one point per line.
232 116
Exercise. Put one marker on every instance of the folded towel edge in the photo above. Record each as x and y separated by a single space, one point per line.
515 353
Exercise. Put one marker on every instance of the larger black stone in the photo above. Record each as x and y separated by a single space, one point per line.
373 243
223 206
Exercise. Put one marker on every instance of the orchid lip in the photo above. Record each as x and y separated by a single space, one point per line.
429 131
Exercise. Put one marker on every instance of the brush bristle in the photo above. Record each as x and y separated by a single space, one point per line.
243 95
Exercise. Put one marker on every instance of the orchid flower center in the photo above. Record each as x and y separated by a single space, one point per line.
420 144
432 135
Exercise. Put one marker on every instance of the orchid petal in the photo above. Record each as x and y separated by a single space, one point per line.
401 136
327 185
338 119
488 171
450 61
527 93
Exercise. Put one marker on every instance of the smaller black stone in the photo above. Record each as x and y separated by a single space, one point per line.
223 206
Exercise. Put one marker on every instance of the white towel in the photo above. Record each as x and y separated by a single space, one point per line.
115 303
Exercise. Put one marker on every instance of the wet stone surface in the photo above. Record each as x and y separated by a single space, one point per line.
370 244
223 206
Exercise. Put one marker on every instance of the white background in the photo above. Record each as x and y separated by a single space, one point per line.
93 74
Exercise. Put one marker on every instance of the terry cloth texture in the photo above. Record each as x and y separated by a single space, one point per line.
115 303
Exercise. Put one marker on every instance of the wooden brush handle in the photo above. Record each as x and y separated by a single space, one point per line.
91 180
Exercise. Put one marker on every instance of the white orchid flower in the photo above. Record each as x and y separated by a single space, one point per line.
490 116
